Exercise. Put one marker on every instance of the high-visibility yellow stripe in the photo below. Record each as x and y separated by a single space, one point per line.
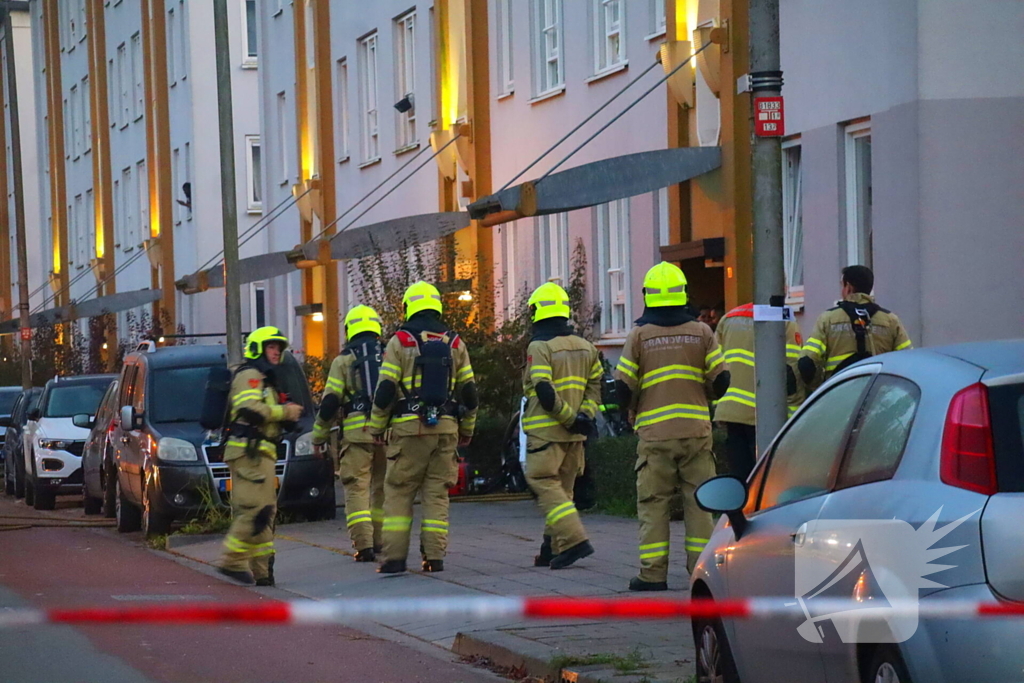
405 418
625 370
589 406
905 345
596 370
815 346
627 362
355 420
436 526
671 372
560 512
653 554
741 356
392 374
834 361
652 546
335 383
713 359
244 396
792 351
671 412
740 396
538 425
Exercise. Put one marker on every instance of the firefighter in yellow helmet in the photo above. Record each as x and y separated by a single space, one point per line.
255 420
562 383
670 367
352 379
427 394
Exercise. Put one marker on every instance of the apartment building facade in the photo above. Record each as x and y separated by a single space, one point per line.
130 174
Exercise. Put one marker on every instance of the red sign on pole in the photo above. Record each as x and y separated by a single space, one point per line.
26 334
769 117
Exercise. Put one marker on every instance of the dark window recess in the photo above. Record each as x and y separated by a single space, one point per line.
261 307
1006 409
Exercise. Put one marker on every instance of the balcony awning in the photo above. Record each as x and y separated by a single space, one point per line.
112 303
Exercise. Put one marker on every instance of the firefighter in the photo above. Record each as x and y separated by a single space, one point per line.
670 366
353 375
736 410
256 419
428 396
562 383
855 329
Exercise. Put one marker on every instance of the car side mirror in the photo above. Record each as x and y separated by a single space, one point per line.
83 421
726 495
35 414
129 418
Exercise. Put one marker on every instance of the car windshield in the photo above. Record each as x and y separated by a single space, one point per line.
177 394
7 399
74 399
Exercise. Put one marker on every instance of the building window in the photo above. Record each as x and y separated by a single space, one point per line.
112 93
258 305
183 34
341 104
405 78
79 229
186 182
179 213
251 53
74 123
138 87
509 254
282 136
657 26
118 218
503 38
126 204
140 230
172 46
90 226
553 248
793 222
613 266
86 116
608 32
858 194
368 97
549 71
123 85
254 173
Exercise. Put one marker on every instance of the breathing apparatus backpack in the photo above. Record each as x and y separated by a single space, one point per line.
364 373
860 320
433 368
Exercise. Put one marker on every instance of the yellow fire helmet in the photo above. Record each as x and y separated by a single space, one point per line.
361 319
665 285
549 301
257 340
421 296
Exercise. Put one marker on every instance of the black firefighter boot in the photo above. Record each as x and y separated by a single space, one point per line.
391 567
544 559
268 580
433 565
567 557
244 578
638 584
366 555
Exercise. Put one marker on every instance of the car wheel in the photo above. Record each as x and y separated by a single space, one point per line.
8 480
44 500
109 501
714 656
887 666
19 480
153 523
30 493
91 506
129 517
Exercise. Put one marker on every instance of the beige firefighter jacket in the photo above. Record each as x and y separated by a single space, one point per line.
670 371
346 385
572 366
251 395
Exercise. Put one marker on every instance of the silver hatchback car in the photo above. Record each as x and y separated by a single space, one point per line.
900 481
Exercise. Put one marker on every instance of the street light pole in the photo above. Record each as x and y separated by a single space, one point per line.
228 190
19 204
769 274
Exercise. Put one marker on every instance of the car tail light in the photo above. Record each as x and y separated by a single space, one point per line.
968 458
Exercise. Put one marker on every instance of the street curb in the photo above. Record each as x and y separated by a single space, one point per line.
178 541
507 650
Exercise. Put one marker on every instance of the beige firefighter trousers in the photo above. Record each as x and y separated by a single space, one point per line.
551 471
361 470
429 463
249 543
662 466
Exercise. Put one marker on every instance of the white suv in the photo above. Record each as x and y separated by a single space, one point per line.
54 443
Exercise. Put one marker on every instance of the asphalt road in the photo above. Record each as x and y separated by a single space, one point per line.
49 567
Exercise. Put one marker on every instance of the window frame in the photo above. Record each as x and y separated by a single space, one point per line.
343 130
792 233
601 36
608 218
254 189
405 75
553 230
851 438
123 67
170 41
141 198
765 463
854 243
137 72
504 34
658 24
540 55
282 136
369 97
250 60
74 124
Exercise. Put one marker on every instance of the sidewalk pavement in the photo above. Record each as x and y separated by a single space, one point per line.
490 552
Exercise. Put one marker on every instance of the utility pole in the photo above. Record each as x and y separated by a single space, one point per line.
769 274
229 202
19 205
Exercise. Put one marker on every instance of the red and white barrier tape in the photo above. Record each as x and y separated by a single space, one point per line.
349 611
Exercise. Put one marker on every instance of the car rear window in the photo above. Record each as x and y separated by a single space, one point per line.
177 394
1006 409
7 399
74 399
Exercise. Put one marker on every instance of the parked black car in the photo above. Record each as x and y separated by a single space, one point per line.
96 461
14 444
168 467
8 397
